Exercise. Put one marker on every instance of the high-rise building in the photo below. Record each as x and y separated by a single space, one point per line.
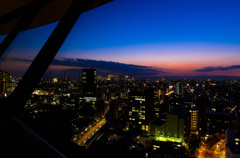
232 144
141 111
194 121
136 114
179 88
114 110
176 124
4 80
201 103
89 82
236 121
218 121
102 107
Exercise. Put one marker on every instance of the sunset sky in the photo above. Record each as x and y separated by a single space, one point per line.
159 37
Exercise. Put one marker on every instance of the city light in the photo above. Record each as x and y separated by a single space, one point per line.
136 78
155 115
165 138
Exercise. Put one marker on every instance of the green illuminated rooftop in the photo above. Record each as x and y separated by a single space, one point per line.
160 136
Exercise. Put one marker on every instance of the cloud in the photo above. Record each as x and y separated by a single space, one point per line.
20 59
218 68
106 67
73 68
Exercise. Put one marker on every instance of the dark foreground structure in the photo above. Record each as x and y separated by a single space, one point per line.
16 16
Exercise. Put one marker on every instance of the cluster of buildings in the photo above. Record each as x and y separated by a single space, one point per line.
166 111
7 84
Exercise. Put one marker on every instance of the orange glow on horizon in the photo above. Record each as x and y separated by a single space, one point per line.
62 67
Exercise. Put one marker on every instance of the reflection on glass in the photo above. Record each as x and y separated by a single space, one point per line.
147 83
20 54
2 38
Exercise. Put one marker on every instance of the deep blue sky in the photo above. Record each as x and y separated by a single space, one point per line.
134 22
177 36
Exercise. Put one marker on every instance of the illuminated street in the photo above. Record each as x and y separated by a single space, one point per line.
169 93
214 148
90 132
120 78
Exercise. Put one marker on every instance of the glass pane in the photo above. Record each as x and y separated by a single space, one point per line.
2 38
145 78
20 54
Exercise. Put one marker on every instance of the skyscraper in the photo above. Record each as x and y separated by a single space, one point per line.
4 80
201 103
179 88
141 110
89 82
175 125
194 121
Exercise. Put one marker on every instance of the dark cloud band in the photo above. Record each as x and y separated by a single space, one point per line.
103 68
218 68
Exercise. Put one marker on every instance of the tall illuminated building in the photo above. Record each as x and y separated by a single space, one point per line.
89 82
140 112
4 80
179 88
194 121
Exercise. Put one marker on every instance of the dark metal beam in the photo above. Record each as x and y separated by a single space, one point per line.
16 13
13 15
28 14
16 101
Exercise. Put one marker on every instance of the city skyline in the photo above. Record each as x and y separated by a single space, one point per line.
169 38
139 78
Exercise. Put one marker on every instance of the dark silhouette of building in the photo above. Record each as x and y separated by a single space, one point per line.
232 144
201 103
218 122
17 135
89 82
